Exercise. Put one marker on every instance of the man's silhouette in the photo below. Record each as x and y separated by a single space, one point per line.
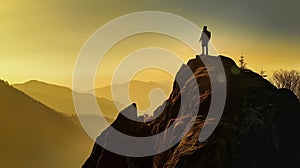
205 37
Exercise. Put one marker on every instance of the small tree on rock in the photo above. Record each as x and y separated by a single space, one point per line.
242 62
262 73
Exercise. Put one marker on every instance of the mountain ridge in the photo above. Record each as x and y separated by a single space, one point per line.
60 98
258 128
33 134
138 92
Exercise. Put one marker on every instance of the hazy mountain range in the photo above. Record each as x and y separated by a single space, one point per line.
138 92
34 135
39 126
60 98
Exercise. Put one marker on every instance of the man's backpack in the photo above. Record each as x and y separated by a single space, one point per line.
208 34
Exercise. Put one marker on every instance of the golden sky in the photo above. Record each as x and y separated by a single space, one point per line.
40 39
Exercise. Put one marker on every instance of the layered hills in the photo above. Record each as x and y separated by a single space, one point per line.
60 98
34 135
137 90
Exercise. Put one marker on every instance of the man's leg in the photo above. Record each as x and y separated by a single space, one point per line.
206 49
202 50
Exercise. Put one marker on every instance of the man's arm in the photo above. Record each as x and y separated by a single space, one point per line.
201 37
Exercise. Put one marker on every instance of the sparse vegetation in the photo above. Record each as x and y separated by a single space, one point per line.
262 73
242 62
289 79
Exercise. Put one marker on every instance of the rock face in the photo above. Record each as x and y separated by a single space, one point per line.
260 125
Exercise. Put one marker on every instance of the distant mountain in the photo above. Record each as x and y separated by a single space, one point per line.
138 90
60 98
33 135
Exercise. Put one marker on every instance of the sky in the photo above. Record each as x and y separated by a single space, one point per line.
41 39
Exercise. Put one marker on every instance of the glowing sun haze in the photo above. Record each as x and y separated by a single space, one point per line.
41 39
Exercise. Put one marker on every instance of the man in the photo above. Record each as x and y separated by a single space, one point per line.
205 37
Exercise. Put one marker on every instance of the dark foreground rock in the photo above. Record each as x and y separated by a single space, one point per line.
260 125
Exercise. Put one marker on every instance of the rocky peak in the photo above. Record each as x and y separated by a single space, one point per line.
259 126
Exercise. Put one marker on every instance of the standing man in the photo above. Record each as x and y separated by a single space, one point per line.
205 37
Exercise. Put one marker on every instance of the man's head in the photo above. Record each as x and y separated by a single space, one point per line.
204 27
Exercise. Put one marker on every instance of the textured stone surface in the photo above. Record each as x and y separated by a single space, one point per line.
260 126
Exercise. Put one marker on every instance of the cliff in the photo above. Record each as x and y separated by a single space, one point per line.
259 126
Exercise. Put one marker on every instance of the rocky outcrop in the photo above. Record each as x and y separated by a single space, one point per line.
259 127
